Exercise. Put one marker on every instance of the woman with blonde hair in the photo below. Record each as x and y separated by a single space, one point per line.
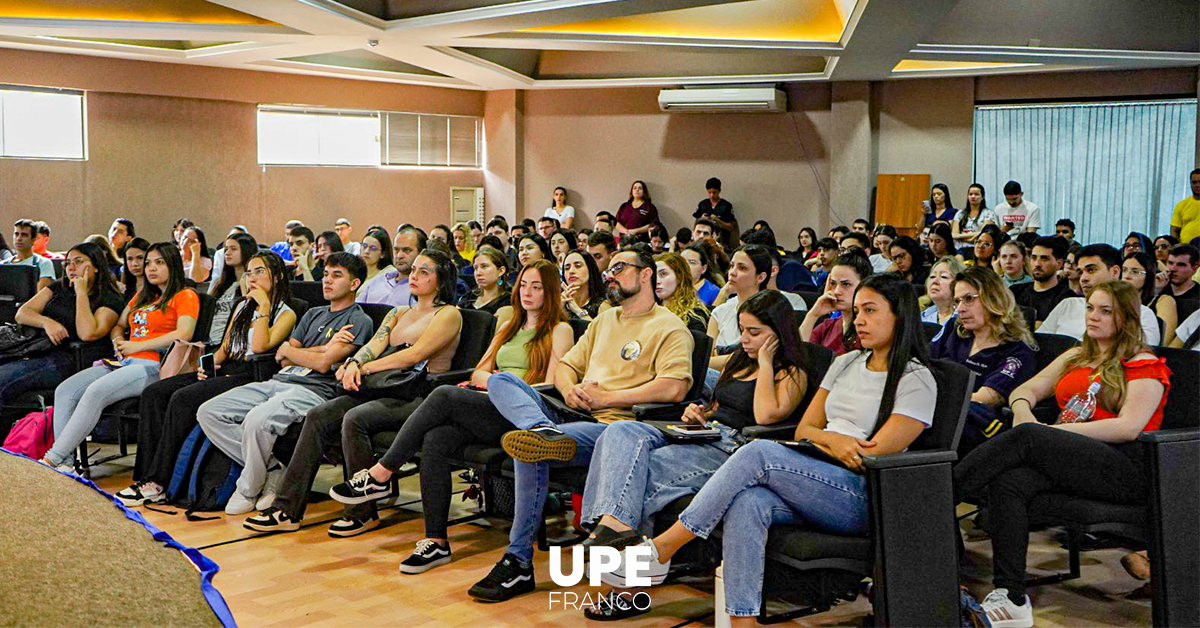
939 290
988 336
1089 453
464 242
677 292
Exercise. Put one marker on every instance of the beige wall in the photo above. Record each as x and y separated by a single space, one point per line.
168 140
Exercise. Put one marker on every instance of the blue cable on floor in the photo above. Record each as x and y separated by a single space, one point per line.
202 563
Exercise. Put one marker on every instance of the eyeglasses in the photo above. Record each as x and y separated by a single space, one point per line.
1163 247
617 269
258 272
965 299
1133 272
371 247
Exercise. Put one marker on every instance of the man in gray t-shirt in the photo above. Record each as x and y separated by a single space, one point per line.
244 422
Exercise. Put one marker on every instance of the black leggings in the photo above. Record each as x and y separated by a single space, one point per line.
168 415
450 419
1018 465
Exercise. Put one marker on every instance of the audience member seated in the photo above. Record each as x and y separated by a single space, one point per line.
762 384
1014 264
822 263
938 207
1182 264
676 293
260 322
939 287
1098 263
638 214
463 243
706 282
546 227
377 256
873 401
245 421
119 234
41 240
987 248
6 252
562 241
327 244
1070 272
1137 270
583 288
282 248
300 244
390 285
828 321
197 262
133 273
111 260
718 211
659 238
860 225
231 284
83 305
765 237
636 352
941 242
909 261
1187 335
857 240
491 285
23 233
749 273
1015 214
532 247
527 347
177 230
601 245
1065 228
163 312
1046 290
1090 455
807 241
1162 249
973 217
881 247
989 336
559 210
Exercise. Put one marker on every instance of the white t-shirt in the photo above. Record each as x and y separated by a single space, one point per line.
975 224
1187 327
726 315
353 248
855 394
567 212
1068 318
283 307
1023 216
879 263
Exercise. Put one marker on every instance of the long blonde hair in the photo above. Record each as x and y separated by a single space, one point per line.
684 300
1127 342
1006 320
468 240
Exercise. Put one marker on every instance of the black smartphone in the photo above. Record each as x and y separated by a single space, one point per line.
208 363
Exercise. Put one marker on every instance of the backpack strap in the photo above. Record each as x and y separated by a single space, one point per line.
183 464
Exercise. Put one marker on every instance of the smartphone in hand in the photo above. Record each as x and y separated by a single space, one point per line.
208 363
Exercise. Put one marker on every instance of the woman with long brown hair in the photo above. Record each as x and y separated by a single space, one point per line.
528 346
1111 388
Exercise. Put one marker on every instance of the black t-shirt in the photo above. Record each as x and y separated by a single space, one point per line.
61 307
723 210
1187 302
1042 302
735 403
467 302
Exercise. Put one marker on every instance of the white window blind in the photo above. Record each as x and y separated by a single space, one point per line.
42 123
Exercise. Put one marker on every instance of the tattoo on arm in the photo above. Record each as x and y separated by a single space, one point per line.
366 354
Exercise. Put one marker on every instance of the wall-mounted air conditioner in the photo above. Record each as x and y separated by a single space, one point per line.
723 99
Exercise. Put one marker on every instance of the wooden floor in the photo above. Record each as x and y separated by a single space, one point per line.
307 578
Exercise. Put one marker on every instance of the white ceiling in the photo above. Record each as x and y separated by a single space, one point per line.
473 44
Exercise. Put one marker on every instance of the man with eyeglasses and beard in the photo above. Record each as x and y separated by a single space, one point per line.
636 352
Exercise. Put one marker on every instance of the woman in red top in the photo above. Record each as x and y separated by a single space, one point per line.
163 312
638 214
1093 458
834 306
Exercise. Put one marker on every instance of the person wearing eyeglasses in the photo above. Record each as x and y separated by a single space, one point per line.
1137 270
989 336
635 352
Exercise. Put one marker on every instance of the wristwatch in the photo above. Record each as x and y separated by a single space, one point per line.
354 360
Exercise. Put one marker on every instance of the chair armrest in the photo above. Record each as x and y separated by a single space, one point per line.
450 377
263 366
1170 436
85 353
909 459
659 411
775 431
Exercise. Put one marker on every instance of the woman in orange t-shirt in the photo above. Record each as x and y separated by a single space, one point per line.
1094 457
163 312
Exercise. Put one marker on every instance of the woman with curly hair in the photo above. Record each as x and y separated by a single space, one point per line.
677 293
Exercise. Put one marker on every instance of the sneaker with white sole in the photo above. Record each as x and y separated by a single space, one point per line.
1003 613
508 579
239 504
271 520
352 526
360 489
142 493
429 554
270 489
656 571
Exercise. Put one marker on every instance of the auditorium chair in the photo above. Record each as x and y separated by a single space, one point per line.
793 276
18 284
1169 523
309 291
1030 316
126 411
809 297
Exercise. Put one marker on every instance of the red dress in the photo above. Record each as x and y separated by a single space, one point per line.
1079 378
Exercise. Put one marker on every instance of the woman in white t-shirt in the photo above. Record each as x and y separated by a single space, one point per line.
872 401
559 210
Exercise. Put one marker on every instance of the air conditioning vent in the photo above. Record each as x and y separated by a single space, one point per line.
726 99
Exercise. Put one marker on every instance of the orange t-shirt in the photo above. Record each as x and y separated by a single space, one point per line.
1078 379
147 324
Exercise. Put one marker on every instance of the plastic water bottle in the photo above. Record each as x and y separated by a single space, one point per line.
1081 407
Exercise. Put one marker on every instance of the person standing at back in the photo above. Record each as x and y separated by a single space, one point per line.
1017 215
1185 220
638 214
719 211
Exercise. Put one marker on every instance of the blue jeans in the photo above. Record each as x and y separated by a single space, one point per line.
525 408
80 399
45 371
764 484
636 472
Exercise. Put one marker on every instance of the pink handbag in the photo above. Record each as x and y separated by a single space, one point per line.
184 357
33 435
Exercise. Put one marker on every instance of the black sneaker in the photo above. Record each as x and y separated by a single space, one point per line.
142 493
615 606
507 580
271 520
427 556
360 489
352 526
541 444
604 536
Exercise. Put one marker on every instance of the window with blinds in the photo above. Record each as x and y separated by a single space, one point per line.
41 123
330 137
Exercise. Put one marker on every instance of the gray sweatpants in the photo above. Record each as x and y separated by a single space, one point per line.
244 423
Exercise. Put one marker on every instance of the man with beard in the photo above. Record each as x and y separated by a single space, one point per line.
635 352
1046 290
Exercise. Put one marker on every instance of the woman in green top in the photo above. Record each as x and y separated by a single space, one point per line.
528 345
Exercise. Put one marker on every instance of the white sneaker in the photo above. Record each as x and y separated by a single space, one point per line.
1004 614
239 504
270 488
657 571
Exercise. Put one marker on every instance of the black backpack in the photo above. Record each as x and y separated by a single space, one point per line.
204 477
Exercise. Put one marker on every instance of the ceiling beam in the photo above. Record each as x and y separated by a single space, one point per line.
121 29
1065 56
454 63
232 56
319 17
629 43
880 34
